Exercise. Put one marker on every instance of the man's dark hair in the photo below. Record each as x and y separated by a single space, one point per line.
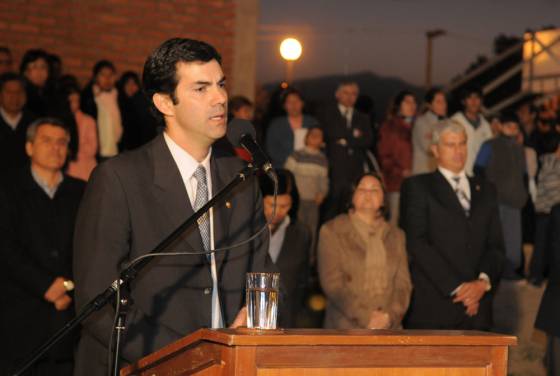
286 186
102 64
10 76
431 94
160 69
32 129
238 102
508 117
32 55
470 90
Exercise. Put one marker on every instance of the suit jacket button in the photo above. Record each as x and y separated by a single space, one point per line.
207 291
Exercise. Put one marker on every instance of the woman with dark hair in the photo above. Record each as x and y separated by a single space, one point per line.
423 160
363 266
287 133
35 69
139 126
83 161
395 148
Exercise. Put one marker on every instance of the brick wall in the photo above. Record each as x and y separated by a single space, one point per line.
123 31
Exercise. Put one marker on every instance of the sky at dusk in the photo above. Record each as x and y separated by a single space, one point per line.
387 37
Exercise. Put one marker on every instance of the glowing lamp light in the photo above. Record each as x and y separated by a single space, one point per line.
290 49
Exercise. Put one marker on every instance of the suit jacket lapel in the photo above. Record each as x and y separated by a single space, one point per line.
445 194
475 194
221 211
171 195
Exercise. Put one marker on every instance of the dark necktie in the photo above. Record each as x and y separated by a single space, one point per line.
201 198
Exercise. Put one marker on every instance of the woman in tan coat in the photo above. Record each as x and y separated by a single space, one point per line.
363 266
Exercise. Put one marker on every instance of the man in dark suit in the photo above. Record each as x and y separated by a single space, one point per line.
289 246
39 206
135 200
454 240
348 135
14 120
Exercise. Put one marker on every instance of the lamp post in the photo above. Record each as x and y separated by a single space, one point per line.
430 35
290 50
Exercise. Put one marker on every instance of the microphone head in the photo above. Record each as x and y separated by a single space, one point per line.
238 128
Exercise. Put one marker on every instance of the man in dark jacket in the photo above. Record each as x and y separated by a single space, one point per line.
14 120
39 206
348 135
501 160
136 199
454 240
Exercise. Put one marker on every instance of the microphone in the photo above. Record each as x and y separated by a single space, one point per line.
242 133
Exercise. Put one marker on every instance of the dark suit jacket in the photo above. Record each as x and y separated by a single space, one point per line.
549 311
345 162
293 265
12 143
35 248
447 248
132 202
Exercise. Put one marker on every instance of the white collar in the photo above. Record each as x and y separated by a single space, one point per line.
186 163
449 175
343 109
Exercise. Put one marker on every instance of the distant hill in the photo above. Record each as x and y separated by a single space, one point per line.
320 91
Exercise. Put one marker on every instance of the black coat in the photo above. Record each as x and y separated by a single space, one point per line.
36 247
12 143
346 163
447 248
134 201
549 311
293 265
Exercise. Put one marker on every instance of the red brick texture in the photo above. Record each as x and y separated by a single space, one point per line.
123 31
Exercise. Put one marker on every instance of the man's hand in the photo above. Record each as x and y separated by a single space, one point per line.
470 294
56 290
63 303
472 310
240 319
379 320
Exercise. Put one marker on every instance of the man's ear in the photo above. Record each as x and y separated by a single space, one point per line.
29 149
164 104
434 150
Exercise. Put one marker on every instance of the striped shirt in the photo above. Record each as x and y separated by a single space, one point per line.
310 169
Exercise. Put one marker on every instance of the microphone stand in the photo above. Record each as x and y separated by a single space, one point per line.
129 274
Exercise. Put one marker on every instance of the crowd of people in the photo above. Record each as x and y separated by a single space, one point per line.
410 224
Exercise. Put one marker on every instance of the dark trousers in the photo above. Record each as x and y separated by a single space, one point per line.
552 359
539 261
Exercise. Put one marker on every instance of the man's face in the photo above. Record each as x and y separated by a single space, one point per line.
347 95
5 62
510 129
49 148
12 97
293 105
37 72
451 151
283 206
244 112
472 103
439 105
105 79
201 109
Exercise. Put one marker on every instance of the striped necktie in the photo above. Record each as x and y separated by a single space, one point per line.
461 195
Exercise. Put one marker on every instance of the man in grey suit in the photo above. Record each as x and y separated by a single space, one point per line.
136 199
454 240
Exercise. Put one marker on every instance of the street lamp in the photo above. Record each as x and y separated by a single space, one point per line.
290 50
430 35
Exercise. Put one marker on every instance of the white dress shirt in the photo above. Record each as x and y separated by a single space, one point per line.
187 166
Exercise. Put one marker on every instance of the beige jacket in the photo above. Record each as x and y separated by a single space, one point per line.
343 274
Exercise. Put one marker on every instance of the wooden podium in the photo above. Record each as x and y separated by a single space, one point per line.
314 352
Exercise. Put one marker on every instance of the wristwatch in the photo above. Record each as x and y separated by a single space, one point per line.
68 284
